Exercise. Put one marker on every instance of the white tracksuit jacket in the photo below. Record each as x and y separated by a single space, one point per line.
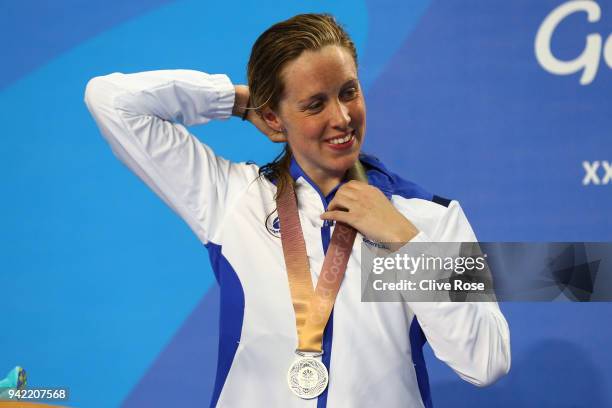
373 351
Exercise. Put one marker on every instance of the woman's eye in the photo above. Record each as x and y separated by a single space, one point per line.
314 106
349 93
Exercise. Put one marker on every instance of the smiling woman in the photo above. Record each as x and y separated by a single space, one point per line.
303 81
293 331
322 113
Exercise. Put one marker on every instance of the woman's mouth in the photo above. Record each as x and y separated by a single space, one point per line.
341 142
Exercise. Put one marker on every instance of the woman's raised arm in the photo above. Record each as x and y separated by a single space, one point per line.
142 116
473 338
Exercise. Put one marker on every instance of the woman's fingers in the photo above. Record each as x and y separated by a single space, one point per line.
340 216
343 202
240 104
366 209
347 194
343 208
354 185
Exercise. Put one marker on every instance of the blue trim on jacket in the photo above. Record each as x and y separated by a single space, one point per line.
417 341
230 318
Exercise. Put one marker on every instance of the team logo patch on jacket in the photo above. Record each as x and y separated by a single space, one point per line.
273 224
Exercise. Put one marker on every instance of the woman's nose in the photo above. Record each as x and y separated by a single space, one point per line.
340 115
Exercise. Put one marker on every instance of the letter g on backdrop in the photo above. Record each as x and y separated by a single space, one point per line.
588 61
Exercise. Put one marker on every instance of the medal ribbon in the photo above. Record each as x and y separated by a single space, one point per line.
313 306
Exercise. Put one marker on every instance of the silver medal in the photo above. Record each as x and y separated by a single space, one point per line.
307 377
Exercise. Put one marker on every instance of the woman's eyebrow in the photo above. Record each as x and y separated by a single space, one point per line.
321 95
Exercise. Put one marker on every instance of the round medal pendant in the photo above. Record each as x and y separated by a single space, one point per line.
307 377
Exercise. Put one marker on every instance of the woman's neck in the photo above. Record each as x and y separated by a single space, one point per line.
325 181
328 185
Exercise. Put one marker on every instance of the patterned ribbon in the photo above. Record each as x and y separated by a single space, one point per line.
313 306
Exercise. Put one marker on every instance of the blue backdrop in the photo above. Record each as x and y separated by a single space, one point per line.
502 105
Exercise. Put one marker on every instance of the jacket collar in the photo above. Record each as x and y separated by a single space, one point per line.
296 172
378 175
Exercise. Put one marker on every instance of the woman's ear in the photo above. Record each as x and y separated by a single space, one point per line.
272 119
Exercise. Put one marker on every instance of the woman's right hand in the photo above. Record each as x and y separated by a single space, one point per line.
240 103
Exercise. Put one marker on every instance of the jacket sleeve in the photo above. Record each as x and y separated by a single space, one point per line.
471 337
142 117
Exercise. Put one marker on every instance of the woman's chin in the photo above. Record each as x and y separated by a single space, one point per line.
342 165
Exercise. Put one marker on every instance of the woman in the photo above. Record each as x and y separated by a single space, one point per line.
303 90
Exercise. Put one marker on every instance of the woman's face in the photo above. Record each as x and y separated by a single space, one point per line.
323 111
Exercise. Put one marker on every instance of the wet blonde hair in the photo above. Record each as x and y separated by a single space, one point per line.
275 47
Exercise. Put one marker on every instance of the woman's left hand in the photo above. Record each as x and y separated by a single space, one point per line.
365 208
